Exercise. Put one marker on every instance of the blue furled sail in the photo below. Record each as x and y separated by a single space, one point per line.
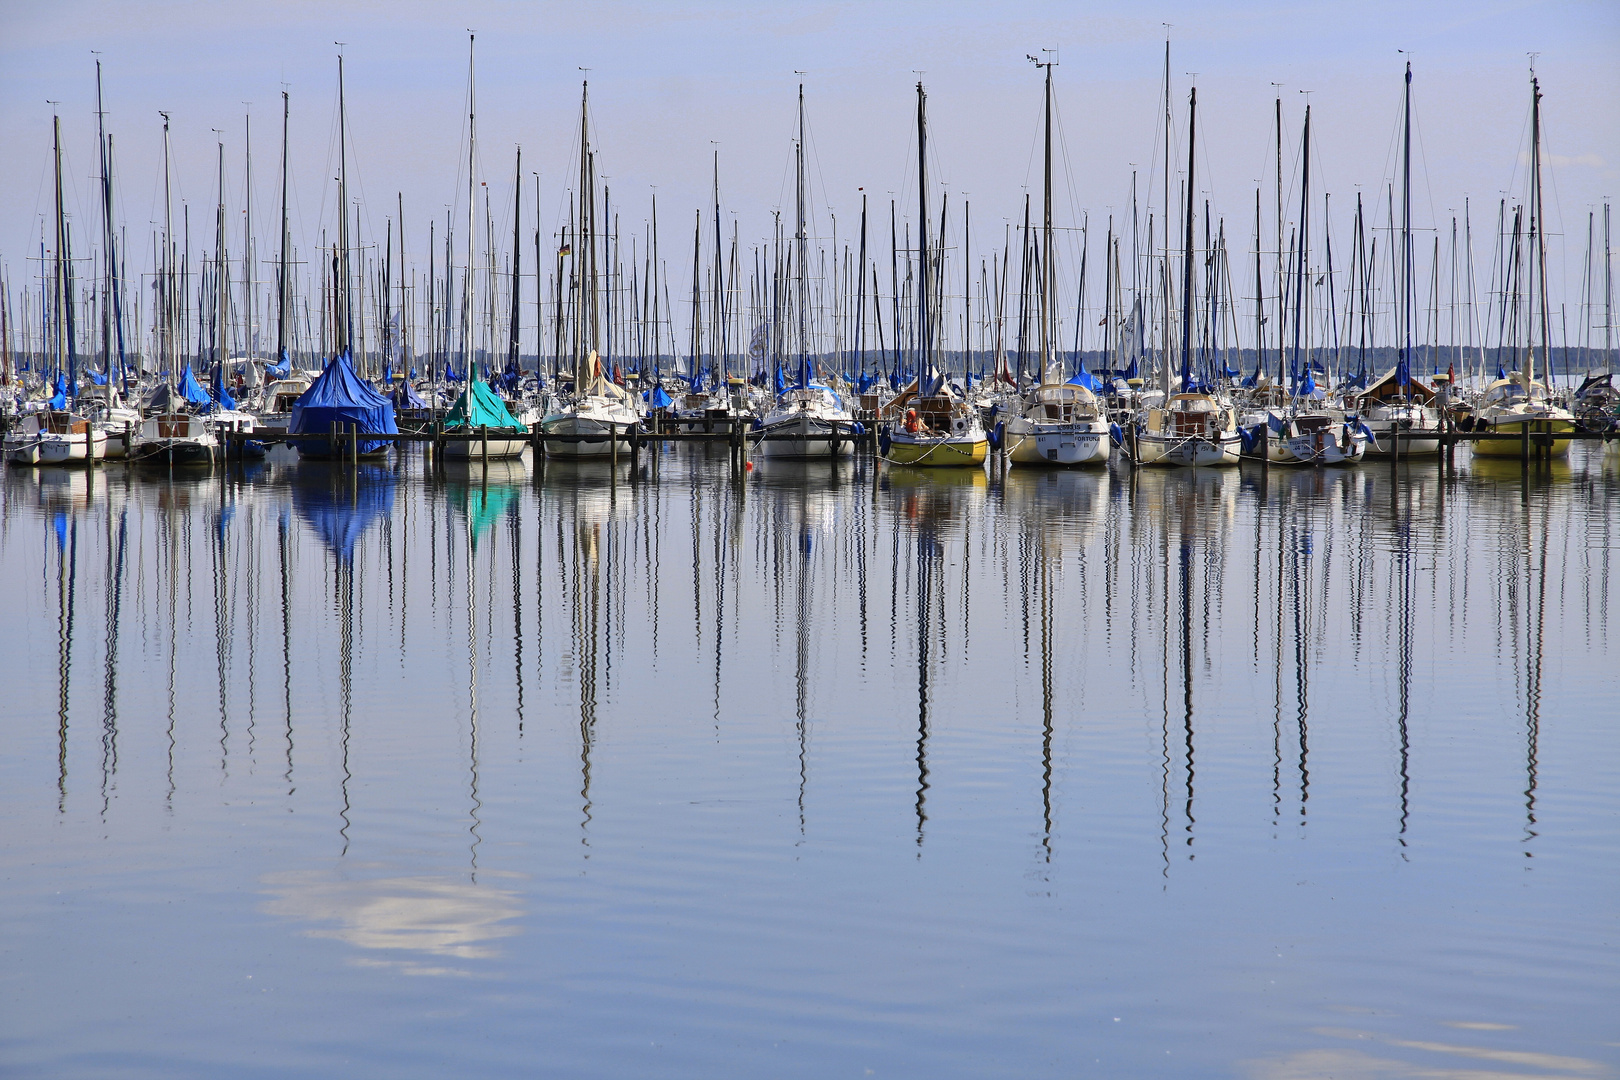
342 397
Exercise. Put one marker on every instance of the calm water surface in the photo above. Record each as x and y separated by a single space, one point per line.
539 773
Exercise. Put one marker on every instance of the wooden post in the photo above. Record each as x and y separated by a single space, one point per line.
483 440
354 445
1524 444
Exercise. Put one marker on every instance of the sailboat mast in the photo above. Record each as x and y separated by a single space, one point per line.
247 235
109 270
1538 237
517 262
281 269
1164 344
1048 281
719 345
1301 277
1408 289
167 313
61 299
220 304
800 255
1187 253
344 321
470 288
925 342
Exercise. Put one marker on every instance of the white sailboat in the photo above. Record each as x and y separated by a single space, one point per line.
1195 427
597 421
1520 401
1058 423
808 419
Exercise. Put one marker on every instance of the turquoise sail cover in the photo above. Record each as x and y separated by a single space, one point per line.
479 406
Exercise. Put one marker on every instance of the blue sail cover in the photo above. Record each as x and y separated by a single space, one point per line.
192 390
340 514
342 397
658 399
222 395
281 368
406 397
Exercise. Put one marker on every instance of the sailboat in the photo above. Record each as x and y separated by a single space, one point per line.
1397 402
1060 422
479 408
808 419
339 401
1194 427
58 435
1518 401
223 414
928 424
1310 433
598 418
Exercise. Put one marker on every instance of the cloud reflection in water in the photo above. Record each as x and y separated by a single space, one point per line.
430 916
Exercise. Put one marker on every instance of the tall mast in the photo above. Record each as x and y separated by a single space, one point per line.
719 345
1187 252
697 296
61 298
517 262
343 323
247 234
582 233
470 289
109 270
1282 303
1408 290
1608 296
1048 264
171 354
220 304
1164 345
285 239
800 257
925 343
1538 237
1301 278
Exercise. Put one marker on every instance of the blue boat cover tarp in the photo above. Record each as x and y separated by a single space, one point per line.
340 396
658 399
340 513
479 406
192 390
406 397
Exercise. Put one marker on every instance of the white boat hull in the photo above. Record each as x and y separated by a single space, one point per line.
474 449
793 439
586 437
1188 451
1056 444
1318 448
49 449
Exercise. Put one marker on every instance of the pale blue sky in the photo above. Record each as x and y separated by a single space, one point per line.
668 78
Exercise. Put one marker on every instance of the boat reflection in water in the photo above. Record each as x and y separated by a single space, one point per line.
341 503
818 740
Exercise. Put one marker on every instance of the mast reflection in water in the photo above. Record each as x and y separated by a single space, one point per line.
824 768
